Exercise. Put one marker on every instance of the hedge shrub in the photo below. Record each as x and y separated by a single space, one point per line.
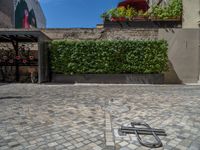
109 57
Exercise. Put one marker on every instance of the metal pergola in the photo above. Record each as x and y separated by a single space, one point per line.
16 36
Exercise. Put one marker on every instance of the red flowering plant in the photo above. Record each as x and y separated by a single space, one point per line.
17 57
25 55
24 61
31 57
8 55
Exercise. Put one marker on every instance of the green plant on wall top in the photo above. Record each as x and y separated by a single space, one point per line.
121 12
130 13
171 11
157 11
175 7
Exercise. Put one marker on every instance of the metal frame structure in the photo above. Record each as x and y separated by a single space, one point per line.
16 36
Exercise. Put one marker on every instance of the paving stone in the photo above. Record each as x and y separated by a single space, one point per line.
67 144
59 147
195 146
79 139
4 148
125 148
97 148
123 143
181 147
79 145
71 147
86 142
74 115
131 146
52 144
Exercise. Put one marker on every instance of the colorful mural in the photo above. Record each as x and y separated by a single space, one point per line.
24 18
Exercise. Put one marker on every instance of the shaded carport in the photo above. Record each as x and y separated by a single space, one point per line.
17 36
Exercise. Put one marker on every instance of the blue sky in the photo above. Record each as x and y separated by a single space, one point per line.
75 13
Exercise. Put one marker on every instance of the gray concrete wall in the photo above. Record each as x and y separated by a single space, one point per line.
6 13
191 13
184 55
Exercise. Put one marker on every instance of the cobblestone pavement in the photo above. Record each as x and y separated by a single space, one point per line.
86 117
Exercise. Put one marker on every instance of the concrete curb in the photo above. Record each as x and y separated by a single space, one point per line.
110 144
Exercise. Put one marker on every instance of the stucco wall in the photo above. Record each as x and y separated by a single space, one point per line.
184 55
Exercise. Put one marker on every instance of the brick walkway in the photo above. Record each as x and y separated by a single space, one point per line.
87 117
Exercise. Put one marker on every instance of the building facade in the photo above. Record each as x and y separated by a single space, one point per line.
21 14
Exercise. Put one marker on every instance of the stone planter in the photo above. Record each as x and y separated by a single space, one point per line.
109 78
144 24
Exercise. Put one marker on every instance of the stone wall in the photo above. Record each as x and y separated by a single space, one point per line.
101 34
184 50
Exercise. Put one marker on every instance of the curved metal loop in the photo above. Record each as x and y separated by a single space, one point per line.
158 142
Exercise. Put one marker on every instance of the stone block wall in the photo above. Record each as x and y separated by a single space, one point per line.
101 34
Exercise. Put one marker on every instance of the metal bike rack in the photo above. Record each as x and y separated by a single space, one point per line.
146 130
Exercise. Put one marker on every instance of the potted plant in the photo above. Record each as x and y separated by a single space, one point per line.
173 11
146 15
115 14
141 15
156 12
112 13
130 13
121 13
